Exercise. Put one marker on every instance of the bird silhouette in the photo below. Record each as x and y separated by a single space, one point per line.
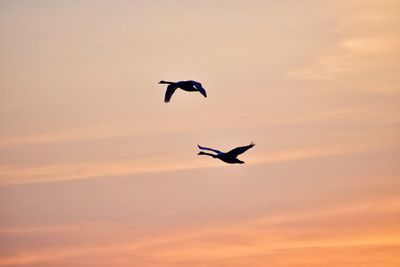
228 157
190 86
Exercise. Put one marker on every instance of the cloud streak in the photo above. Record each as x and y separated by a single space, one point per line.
69 171
367 42
280 237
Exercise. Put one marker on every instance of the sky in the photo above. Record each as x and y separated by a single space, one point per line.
96 170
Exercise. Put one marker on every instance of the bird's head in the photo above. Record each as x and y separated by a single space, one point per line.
162 82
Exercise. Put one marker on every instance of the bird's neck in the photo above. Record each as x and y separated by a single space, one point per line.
166 82
207 154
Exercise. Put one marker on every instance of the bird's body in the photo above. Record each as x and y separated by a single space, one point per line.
228 157
190 86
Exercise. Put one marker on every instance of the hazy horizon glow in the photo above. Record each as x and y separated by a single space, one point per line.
96 170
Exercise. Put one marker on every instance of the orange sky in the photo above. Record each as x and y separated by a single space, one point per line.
96 170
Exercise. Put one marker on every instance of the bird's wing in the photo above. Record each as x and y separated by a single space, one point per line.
170 91
210 149
200 88
239 150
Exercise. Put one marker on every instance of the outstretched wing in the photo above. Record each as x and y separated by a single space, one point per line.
170 91
210 149
239 150
200 88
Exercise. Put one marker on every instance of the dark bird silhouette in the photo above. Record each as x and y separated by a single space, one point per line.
190 86
228 157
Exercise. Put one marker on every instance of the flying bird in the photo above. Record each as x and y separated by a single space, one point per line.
190 86
228 157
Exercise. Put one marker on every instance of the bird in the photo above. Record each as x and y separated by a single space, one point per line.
190 86
228 157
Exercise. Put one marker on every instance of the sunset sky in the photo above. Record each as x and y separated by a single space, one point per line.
96 170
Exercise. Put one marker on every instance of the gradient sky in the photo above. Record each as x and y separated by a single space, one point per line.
96 170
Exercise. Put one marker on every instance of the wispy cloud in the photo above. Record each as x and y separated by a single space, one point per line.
116 131
366 41
84 170
99 132
86 133
279 237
